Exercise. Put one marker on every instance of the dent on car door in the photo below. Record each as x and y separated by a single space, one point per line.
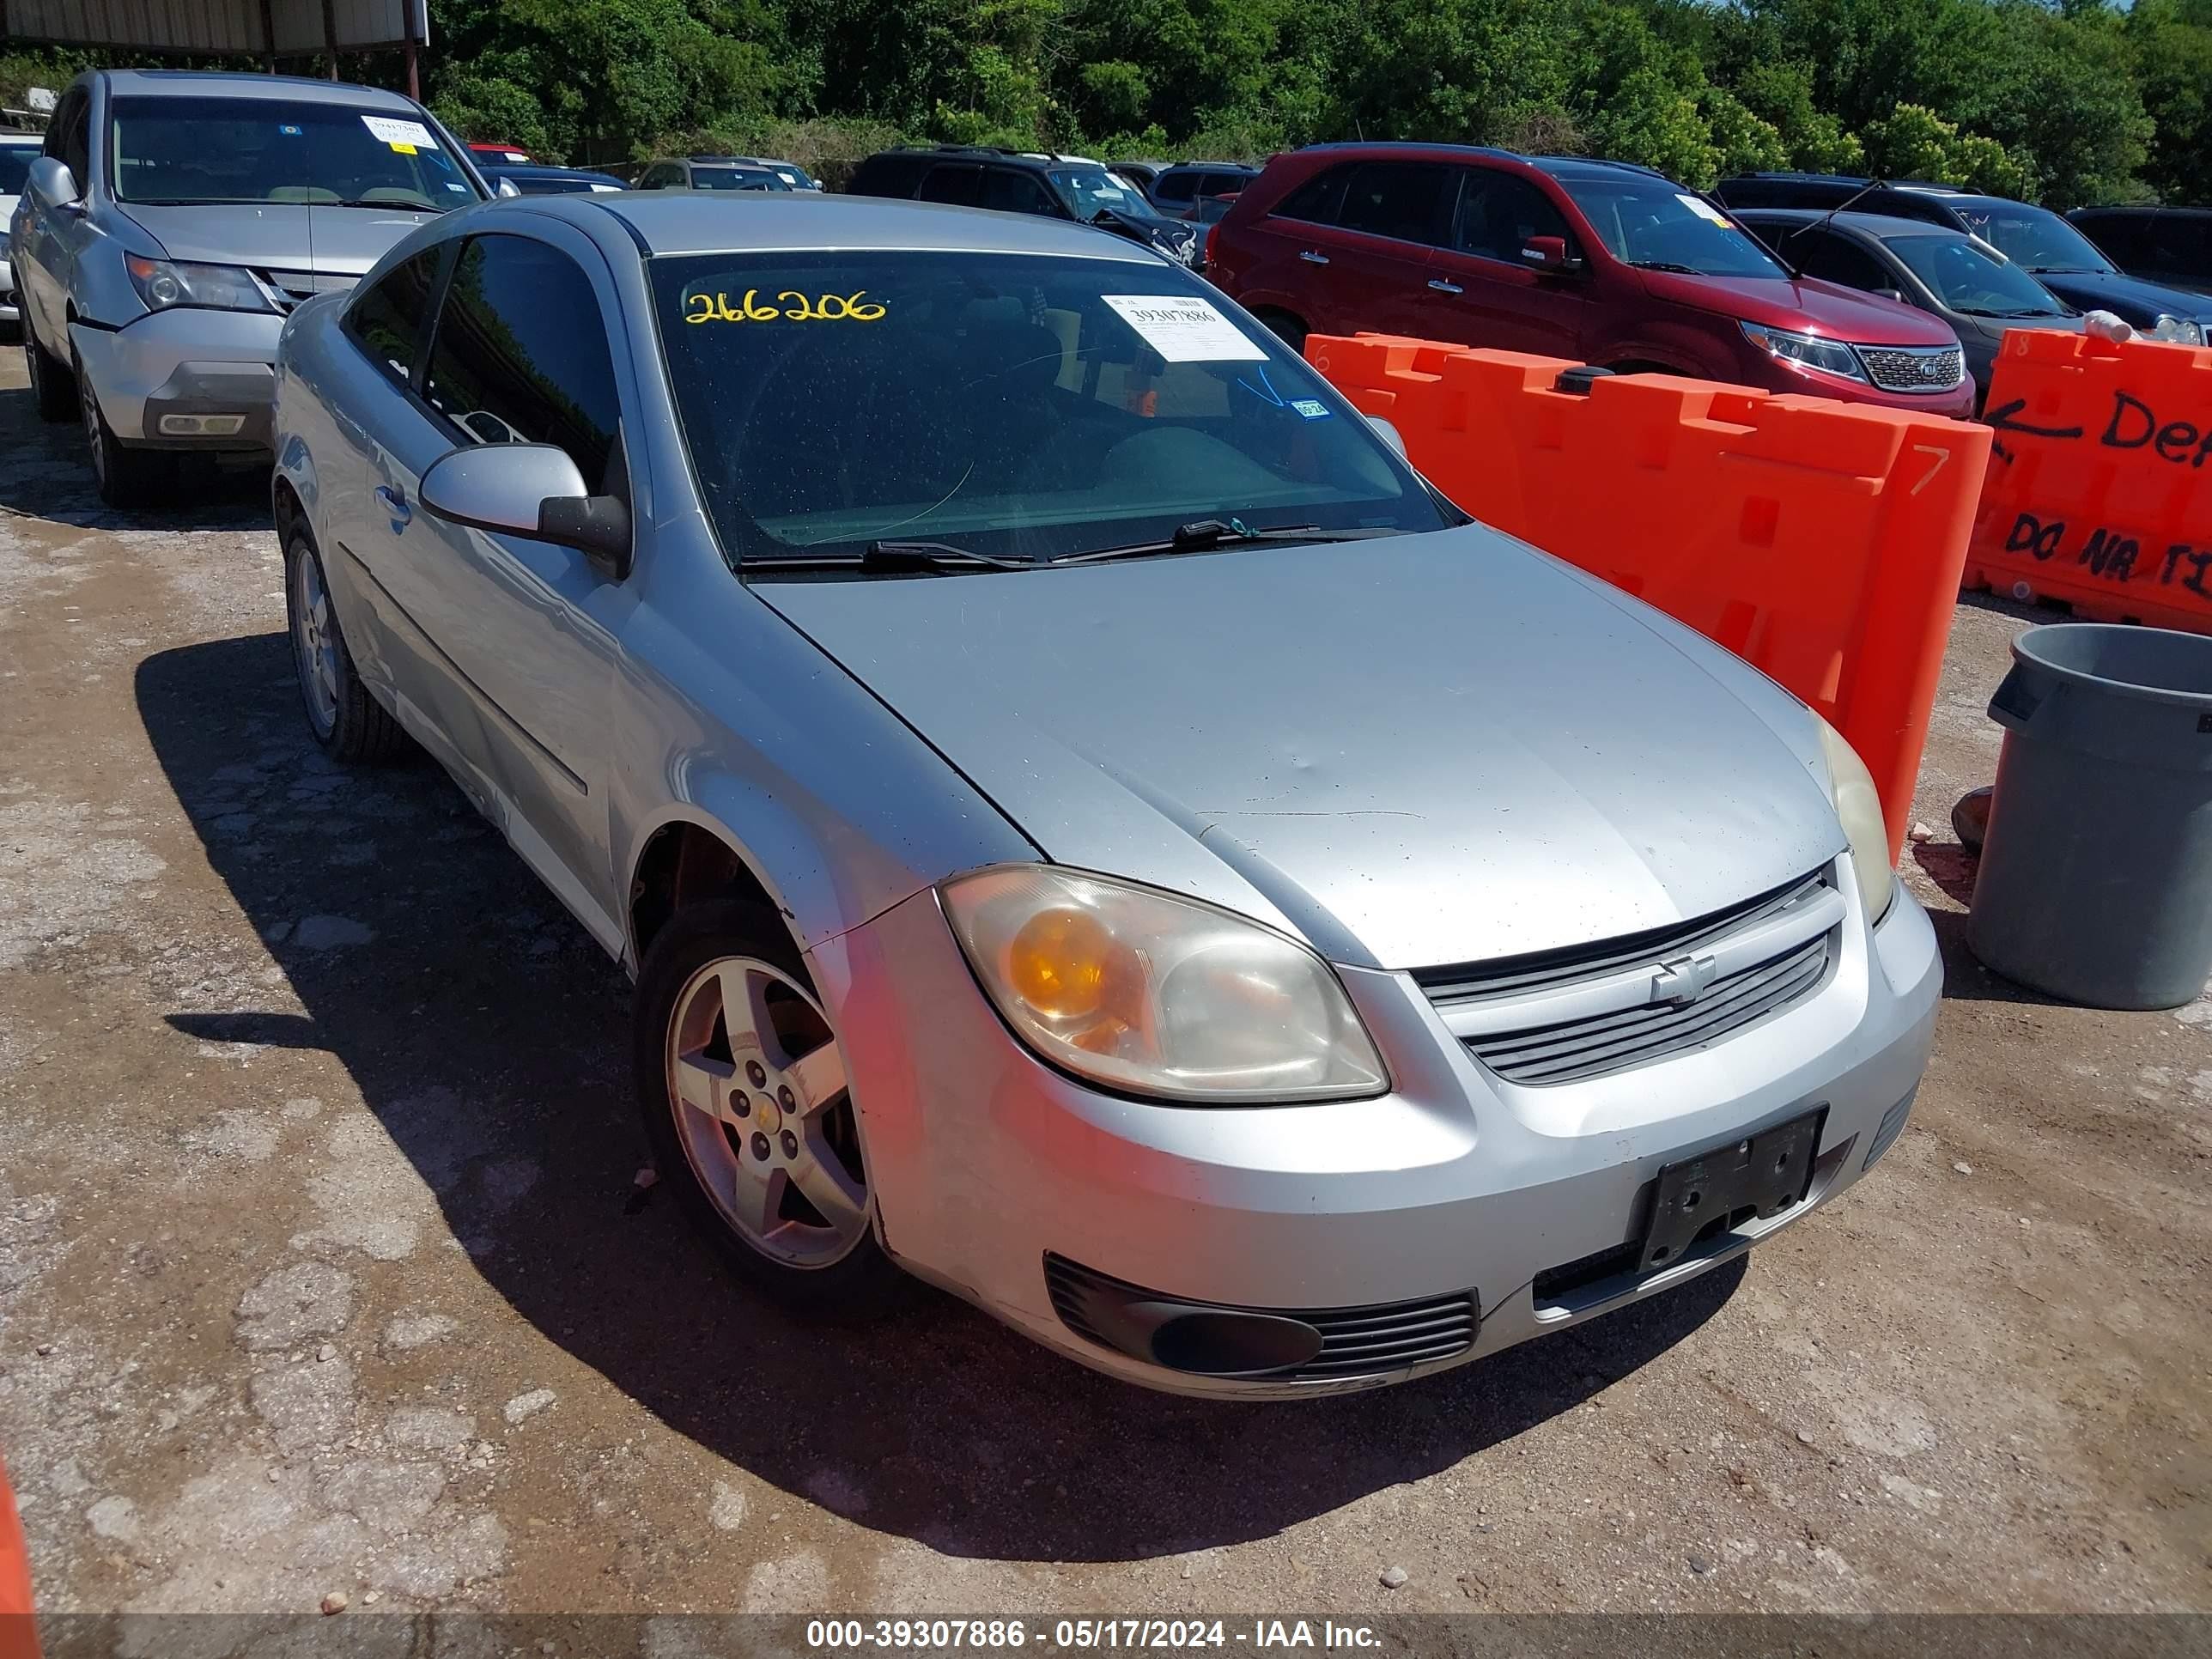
522 352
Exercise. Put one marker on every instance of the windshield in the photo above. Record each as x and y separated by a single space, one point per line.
1013 405
2034 237
1088 189
1649 222
188 151
735 179
1972 279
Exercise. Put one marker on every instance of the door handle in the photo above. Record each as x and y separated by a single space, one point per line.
1313 258
395 504
1443 286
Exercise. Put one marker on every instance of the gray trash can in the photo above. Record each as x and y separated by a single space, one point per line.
2096 877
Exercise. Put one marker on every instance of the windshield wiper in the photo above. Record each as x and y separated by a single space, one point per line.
389 207
2064 270
934 555
1666 264
1204 533
1982 311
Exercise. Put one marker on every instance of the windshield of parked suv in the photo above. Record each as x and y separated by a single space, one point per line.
1087 190
1657 226
1972 279
2034 237
1011 405
14 166
194 151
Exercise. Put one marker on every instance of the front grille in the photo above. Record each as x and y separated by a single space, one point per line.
1914 368
1355 1342
1634 1031
293 288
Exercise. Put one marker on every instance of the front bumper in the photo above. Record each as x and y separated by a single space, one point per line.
187 362
984 1161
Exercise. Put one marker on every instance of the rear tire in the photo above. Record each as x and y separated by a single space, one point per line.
709 1086
53 388
350 723
127 478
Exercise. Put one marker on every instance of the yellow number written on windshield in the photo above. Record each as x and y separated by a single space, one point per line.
794 307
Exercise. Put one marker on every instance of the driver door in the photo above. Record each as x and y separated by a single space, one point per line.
522 351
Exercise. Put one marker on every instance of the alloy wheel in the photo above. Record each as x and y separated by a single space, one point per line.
757 1087
95 428
314 641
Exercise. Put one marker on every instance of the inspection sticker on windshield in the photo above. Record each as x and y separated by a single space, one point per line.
1702 207
405 136
1312 408
1184 330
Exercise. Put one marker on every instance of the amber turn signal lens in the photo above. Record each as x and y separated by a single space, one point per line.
1058 962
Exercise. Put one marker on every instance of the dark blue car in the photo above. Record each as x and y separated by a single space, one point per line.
2042 243
535 181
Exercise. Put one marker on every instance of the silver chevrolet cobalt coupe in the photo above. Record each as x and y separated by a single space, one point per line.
1090 827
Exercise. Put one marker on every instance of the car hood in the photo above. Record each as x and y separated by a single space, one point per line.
2129 298
278 236
1416 751
1803 306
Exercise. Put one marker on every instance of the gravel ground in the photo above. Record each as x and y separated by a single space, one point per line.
322 1268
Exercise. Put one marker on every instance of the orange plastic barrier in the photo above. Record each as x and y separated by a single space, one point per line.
19 1639
2099 490
1820 541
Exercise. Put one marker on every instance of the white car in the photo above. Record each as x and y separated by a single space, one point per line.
17 151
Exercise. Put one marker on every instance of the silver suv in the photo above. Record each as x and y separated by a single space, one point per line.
173 220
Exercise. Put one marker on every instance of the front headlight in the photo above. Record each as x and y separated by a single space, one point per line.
1808 349
1157 995
2176 330
1860 808
164 284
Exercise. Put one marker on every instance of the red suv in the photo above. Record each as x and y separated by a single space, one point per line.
1597 261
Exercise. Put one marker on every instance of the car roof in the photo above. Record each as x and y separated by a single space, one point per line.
2141 207
538 170
216 83
1213 167
1881 226
810 220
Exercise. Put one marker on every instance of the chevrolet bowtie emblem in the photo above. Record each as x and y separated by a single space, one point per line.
1682 980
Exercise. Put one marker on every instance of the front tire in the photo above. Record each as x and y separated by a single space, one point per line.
126 477
52 387
350 725
744 1092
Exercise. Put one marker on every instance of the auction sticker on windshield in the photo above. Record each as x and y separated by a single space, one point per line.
1702 207
405 136
1184 330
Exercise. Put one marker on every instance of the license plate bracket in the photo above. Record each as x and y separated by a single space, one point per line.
1723 1186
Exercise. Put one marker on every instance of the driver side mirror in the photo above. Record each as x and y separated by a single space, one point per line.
1896 293
507 187
1547 253
1390 435
54 185
532 490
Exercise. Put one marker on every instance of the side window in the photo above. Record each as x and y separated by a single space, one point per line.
72 138
1318 200
1404 200
1173 186
954 184
2122 236
657 178
385 320
1824 254
1010 192
520 353
1498 213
